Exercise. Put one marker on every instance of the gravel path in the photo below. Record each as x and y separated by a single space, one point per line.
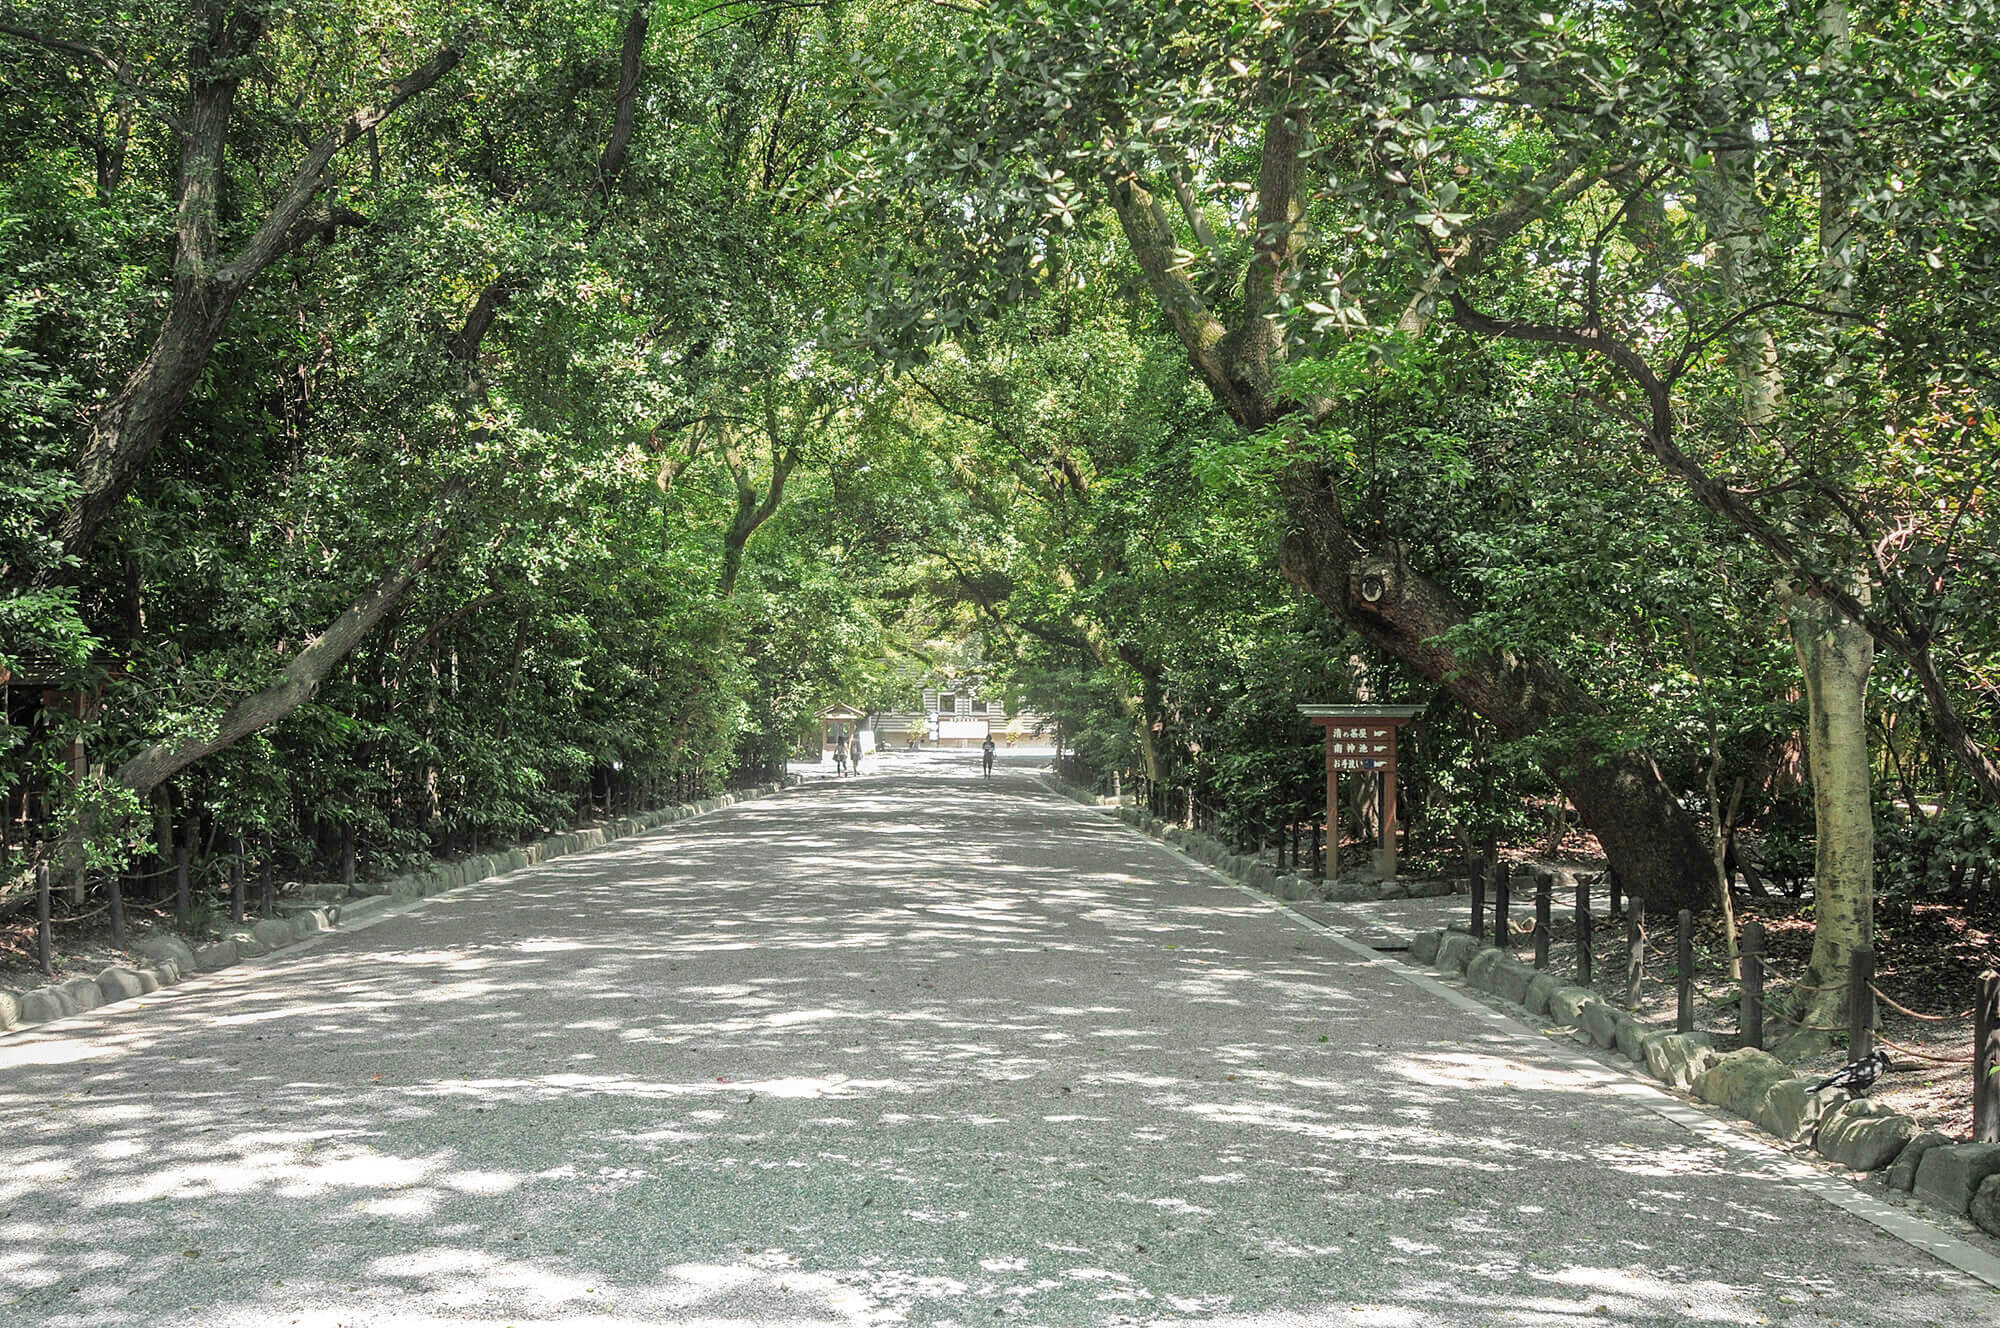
909 1048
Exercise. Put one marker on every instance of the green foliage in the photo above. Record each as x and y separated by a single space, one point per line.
853 367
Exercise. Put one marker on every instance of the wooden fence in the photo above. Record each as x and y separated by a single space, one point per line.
1861 991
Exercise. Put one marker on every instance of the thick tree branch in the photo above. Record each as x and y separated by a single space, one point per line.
298 681
1200 330
1477 242
271 237
132 424
81 50
1256 346
1658 435
625 115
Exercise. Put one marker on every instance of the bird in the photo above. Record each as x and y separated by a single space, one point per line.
1857 1076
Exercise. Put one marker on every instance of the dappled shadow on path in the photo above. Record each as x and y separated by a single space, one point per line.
898 1049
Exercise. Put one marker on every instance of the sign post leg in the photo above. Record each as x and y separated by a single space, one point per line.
1332 824
1385 859
1332 808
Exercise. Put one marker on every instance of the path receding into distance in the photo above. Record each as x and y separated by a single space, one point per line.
908 1048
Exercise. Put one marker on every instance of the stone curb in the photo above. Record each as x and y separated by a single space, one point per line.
1960 1178
1259 876
173 958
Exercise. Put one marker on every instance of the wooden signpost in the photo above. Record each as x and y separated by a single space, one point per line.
1361 740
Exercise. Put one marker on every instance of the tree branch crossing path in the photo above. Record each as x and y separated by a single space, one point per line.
907 1048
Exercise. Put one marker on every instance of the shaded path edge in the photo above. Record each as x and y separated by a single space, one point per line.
358 913
1772 1162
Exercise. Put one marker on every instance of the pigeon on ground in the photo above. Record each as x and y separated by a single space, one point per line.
1857 1076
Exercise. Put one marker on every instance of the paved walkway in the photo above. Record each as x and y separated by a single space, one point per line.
909 1048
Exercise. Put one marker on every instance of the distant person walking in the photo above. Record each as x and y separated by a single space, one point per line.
854 751
839 755
986 756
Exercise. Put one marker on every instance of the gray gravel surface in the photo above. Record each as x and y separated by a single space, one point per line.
907 1048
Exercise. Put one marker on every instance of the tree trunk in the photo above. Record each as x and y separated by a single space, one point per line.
1836 655
206 287
1648 837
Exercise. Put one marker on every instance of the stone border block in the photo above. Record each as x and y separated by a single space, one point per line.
1631 1035
1862 1135
1511 979
1903 1172
214 955
1455 952
1985 1209
1678 1059
1599 1023
1792 1112
84 993
1567 1004
1950 1174
1483 969
45 1003
119 984
163 947
1741 1080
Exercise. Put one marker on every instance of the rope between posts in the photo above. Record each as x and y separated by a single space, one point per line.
1925 1055
1795 1023
1772 970
1883 997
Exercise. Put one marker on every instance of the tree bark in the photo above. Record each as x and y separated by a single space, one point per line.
1835 654
752 508
1648 837
206 287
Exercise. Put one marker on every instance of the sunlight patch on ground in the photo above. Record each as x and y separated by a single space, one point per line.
1474 1070
52 1049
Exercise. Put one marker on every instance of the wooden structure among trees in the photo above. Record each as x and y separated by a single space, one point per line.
1361 739
838 723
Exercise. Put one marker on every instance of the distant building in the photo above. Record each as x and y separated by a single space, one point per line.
956 715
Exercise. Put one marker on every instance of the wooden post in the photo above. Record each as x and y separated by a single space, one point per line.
1684 974
1332 813
1860 1004
1614 905
1503 898
1479 904
1752 1019
1386 863
1584 938
1986 1061
114 898
79 766
44 943
1635 949
236 880
267 904
1545 885
183 848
